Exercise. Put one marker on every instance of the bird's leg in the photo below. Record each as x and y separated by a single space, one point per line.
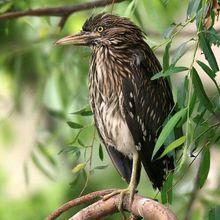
131 187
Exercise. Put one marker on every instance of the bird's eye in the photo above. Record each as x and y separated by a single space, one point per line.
100 29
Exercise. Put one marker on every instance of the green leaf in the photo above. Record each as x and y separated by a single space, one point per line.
199 90
192 104
130 9
204 168
210 73
209 55
214 214
5 7
173 146
74 125
39 165
169 31
46 153
193 7
166 57
171 70
86 111
78 167
179 52
213 37
168 128
167 191
72 149
164 2
81 143
26 173
56 114
100 167
100 152
206 69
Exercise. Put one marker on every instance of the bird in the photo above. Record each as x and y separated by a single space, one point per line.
129 107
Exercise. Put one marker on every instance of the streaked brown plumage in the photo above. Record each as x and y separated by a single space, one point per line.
129 108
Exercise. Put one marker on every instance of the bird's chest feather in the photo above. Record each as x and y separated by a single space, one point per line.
106 101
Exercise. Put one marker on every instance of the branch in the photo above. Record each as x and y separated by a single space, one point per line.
64 11
58 11
141 207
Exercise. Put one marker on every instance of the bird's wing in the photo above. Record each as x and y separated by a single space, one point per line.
146 105
122 164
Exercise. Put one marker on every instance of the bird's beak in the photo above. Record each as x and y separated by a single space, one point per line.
82 39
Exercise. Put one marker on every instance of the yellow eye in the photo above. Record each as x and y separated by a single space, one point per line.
100 29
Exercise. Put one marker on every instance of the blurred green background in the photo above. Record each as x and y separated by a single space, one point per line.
41 85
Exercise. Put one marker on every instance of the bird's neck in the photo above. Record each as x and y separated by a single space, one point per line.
107 69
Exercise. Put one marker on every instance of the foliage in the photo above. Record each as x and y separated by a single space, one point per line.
55 79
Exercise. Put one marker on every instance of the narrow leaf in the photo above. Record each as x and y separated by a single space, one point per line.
169 31
78 167
168 129
56 114
6 7
86 111
45 152
206 69
74 125
209 55
170 71
210 73
26 173
214 214
179 52
204 168
199 89
193 7
166 57
100 152
173 145
100 167
71 149
167 192
81 143
39 165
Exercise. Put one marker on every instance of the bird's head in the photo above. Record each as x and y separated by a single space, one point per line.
105 30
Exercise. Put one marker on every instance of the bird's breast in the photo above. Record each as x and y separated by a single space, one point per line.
106 102
113 128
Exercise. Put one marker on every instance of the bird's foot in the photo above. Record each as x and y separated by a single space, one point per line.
130 191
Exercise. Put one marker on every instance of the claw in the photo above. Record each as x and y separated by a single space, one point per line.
130 190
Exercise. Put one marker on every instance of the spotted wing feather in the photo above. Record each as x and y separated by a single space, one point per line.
146 104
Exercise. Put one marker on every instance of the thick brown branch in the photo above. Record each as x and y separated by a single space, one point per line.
78 201
62 11
142 207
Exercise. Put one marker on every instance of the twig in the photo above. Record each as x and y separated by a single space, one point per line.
195 188
142 207
90 164
57 11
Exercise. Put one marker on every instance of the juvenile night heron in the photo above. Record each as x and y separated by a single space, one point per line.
129 108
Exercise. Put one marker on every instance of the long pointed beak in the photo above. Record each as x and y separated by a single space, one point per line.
82 38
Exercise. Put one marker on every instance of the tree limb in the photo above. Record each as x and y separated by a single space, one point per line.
63 11
58 11
141 207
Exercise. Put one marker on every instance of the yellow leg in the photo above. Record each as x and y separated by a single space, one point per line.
131 187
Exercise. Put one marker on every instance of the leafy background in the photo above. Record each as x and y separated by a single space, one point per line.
50 152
